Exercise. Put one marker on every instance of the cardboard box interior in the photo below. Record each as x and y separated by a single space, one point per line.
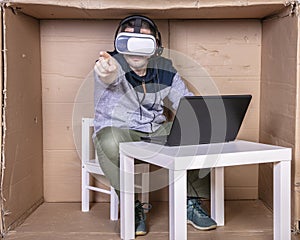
49 54
276 84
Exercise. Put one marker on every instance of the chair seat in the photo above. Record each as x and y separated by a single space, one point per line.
92 166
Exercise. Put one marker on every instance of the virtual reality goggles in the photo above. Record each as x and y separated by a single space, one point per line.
135 44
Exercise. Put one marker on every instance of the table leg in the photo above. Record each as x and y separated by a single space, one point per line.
127 197
217 195
282 200
177 205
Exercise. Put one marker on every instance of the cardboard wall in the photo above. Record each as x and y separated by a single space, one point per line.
23 178
278 95
230 52
66 61
69 49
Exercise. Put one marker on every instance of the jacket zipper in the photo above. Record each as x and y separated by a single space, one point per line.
144 86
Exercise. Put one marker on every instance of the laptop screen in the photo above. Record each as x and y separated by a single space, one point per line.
208 119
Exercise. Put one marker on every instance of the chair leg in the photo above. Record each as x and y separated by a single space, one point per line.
145 184
85 193
114 205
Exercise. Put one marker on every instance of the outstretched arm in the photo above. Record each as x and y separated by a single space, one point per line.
106 68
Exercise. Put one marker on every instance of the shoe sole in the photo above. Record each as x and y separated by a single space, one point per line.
140 233
201 228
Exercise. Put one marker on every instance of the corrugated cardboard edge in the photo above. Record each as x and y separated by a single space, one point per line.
80 9
3 78
297 140
3 128
154 4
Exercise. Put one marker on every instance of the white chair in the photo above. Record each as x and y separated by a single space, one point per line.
91 166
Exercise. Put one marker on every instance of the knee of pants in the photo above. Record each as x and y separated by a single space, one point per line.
107 143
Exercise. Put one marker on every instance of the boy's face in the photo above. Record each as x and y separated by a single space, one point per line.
137 62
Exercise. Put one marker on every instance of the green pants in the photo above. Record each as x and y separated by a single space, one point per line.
107 142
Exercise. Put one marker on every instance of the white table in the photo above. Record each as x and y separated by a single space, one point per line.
215 156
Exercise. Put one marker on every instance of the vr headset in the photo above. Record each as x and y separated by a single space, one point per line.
136 43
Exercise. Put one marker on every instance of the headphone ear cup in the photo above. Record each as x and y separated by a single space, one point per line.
159 51
160 48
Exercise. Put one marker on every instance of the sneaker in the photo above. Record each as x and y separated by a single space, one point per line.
197 217
140 218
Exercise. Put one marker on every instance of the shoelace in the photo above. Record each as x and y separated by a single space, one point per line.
198 209
140 214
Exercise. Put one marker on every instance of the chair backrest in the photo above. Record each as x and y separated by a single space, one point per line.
89 155
86 139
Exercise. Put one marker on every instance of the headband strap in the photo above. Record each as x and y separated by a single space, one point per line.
137 25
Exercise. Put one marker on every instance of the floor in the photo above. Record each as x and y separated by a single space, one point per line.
60 221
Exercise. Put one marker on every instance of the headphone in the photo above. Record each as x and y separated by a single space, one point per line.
137 27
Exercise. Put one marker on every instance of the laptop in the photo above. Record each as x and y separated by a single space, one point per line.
205 119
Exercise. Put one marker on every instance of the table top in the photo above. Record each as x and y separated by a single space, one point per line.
233 153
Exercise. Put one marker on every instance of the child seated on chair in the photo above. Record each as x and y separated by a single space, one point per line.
130 85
